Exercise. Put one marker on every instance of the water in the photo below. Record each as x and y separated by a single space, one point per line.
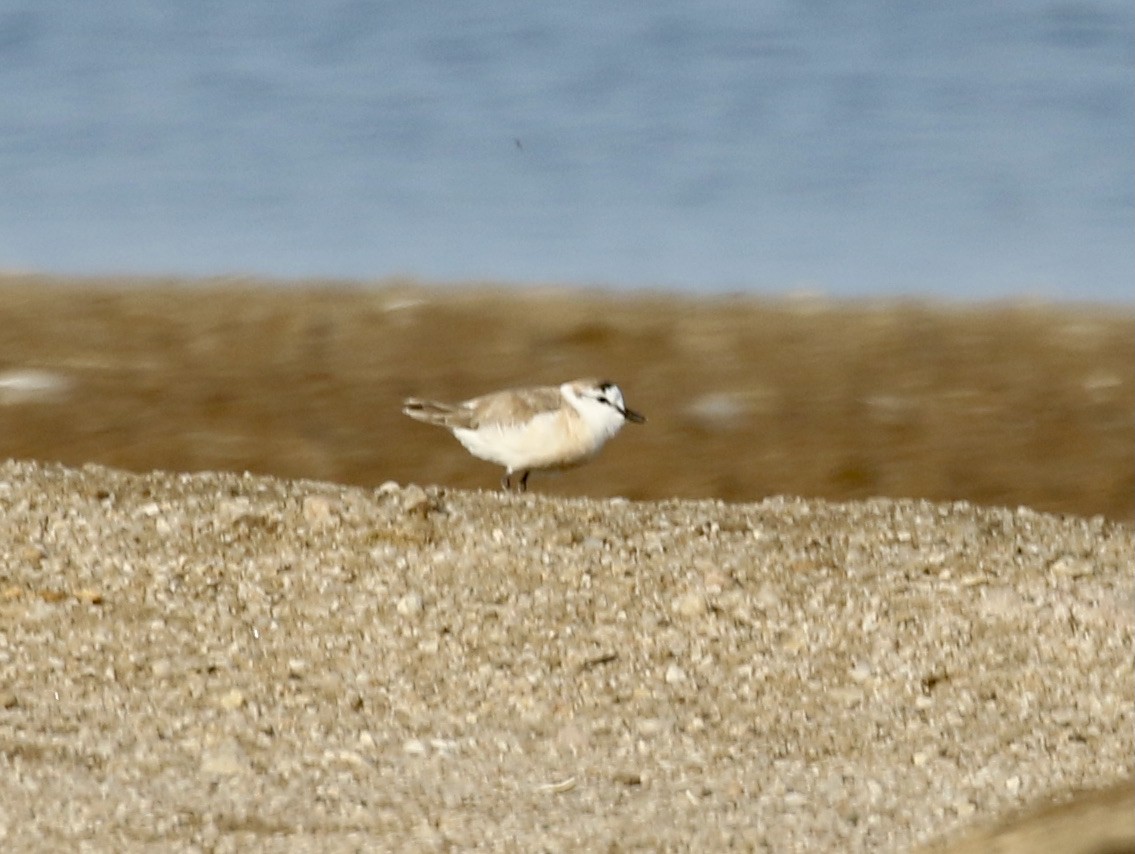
962 150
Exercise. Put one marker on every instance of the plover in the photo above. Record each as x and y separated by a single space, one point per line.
526 429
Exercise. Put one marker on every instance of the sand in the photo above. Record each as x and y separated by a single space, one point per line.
234 663
661 651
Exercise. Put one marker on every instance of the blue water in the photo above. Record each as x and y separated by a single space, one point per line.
970 149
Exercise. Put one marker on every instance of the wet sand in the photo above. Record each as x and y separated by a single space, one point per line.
1013 405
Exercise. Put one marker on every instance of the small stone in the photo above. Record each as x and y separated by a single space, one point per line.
716 579
414 747
317 511
847 696
345 757
30 554
224 760
231 700
861 671
999 601
767 597
675 674
409 605
794 641
650 727
1071 567
691 604
415 499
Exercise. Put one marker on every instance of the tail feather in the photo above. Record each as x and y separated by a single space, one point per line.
432 412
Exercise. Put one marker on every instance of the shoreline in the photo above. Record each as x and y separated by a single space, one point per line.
590 290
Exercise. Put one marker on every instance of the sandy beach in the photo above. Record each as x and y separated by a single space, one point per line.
862 583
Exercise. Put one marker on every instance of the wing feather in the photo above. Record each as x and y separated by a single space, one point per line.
513 406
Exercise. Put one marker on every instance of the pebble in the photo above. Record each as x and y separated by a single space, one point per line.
409 605
224 760
1071 567
317 511
414 747
691 604
414 499
231 700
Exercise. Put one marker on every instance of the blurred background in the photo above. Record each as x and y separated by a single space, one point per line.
967 150
1013 405
830 249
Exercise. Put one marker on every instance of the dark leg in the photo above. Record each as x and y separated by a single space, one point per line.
521 483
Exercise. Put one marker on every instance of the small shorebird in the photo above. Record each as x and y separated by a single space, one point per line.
525 429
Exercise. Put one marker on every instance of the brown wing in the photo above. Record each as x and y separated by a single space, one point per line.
514 406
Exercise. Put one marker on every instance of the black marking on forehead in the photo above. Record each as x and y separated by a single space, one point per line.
606 385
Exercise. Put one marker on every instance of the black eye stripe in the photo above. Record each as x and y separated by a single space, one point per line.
601 396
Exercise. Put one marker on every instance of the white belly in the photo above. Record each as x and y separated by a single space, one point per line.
547 441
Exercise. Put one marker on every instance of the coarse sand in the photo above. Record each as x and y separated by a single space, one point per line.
231 662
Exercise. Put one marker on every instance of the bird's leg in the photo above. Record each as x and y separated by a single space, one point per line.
521 482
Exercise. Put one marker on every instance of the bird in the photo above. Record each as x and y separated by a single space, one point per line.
533 428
